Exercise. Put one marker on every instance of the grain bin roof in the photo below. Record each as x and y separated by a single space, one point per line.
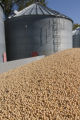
76 31
38 9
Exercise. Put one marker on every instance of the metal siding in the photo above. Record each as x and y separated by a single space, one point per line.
62 34
2 36
76 41
42 34
76 38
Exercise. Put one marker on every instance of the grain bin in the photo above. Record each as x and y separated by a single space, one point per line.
2 35
76 38
37 29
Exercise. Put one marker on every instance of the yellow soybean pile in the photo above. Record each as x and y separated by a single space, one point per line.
48 89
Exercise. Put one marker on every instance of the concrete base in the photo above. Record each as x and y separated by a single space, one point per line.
5 67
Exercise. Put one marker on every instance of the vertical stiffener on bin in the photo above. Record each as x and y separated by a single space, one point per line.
2 36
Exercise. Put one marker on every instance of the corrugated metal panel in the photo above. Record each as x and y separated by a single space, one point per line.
2 36
76 38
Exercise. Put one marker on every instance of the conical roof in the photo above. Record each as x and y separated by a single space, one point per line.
76 32
38 9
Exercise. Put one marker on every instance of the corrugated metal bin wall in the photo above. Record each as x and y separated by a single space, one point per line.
45 35
2 35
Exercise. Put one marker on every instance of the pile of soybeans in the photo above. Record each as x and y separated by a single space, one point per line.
48 89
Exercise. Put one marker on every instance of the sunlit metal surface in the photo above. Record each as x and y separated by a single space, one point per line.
2 36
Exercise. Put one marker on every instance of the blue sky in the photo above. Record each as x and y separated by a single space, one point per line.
70 8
